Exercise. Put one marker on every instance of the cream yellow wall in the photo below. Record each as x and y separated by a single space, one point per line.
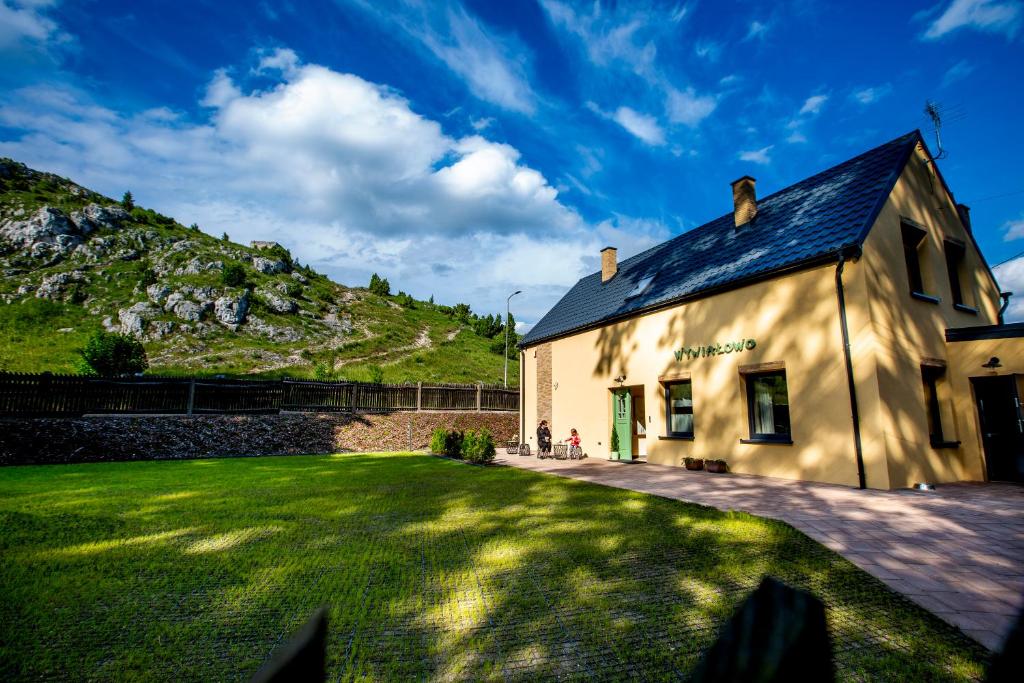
793 319
903 332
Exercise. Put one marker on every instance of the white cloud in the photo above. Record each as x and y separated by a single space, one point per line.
220 90
871 95
482 124
342 171
642 126
989 16
757 29
494 68
283 60
757 156
813 104
708 49
796 137
1010 276
689 108
23 23
605 38
1014 230
957 72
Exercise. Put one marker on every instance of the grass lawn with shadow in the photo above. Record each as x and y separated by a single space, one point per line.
431 569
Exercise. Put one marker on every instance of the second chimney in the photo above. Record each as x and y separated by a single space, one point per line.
964 212
609 263
744 200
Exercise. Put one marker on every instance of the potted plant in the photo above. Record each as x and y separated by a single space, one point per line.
716 466
694 463
614 454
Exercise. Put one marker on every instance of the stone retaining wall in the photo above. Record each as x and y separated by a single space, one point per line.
103 438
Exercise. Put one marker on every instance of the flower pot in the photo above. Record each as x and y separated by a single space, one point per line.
613 455
694 463
716 466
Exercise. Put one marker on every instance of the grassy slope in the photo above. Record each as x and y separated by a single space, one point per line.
384 334
431 570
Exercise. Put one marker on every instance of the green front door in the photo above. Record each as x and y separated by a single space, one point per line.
622 413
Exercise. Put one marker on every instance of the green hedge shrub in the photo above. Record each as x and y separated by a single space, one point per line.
478 447
453 444
438 440
110 354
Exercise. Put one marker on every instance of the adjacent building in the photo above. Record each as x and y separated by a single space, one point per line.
845 329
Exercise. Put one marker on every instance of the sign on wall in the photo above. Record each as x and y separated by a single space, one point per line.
690 352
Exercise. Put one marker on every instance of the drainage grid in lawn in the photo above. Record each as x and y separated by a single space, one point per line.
430 570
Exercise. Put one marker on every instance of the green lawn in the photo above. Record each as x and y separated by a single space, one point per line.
432 569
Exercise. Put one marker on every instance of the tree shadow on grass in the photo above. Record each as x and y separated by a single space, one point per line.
431 569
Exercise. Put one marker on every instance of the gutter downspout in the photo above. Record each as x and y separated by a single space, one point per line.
854 412
1005 296
522 395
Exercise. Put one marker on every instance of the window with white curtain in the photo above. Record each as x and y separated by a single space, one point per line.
679 402
768 406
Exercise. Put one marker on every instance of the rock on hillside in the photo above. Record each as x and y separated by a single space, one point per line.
146 275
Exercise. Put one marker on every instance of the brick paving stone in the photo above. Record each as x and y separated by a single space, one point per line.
958 551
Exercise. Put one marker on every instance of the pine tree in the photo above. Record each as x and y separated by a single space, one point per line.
127 201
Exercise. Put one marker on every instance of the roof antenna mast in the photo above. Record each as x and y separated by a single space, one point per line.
931 110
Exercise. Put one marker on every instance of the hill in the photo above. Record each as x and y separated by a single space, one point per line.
73 261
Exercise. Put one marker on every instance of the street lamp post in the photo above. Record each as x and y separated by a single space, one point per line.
518 291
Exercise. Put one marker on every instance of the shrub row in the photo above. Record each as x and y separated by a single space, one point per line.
476 446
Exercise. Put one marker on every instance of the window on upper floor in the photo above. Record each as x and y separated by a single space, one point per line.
913 246
955 255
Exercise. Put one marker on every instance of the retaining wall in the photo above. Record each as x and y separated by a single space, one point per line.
26 441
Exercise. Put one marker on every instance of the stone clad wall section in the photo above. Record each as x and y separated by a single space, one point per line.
543 383
111 438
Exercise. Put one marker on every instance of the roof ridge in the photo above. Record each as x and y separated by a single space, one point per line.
801 224
901 139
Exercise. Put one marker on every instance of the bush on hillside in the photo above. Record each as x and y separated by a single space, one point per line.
232 275
380 285
478 447
438 440
109 354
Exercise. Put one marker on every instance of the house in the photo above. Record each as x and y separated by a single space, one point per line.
845 329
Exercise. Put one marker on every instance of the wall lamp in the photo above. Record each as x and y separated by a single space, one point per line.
620 379
992 363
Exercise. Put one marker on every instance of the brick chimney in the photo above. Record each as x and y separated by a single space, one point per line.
964 212
609 263
744 200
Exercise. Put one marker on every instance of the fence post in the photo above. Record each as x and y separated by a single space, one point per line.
419 396
355 394
191 396
479 391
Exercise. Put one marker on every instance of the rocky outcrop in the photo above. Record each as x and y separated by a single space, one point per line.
47 230
95 217
158 293
262 328
135 319
275 302
231 310
56 286
268 266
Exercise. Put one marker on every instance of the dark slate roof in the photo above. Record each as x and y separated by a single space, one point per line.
797 226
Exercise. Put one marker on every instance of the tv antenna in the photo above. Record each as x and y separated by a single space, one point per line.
933 112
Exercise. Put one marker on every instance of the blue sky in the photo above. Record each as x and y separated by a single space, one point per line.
466 150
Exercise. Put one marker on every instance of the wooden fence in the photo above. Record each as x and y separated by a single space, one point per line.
25 395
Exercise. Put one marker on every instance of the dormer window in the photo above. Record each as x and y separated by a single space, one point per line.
640 287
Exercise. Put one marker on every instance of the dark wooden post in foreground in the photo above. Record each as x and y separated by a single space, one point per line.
304 658
778 634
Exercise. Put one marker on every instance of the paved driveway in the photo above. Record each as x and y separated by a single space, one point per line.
957 551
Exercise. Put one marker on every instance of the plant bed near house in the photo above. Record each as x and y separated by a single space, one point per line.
694 463
716 466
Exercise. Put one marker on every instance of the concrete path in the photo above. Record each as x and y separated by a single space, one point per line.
957 551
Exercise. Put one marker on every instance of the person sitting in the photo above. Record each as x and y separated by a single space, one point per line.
543 439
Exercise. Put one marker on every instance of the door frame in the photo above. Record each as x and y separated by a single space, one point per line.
1011 382
622 424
